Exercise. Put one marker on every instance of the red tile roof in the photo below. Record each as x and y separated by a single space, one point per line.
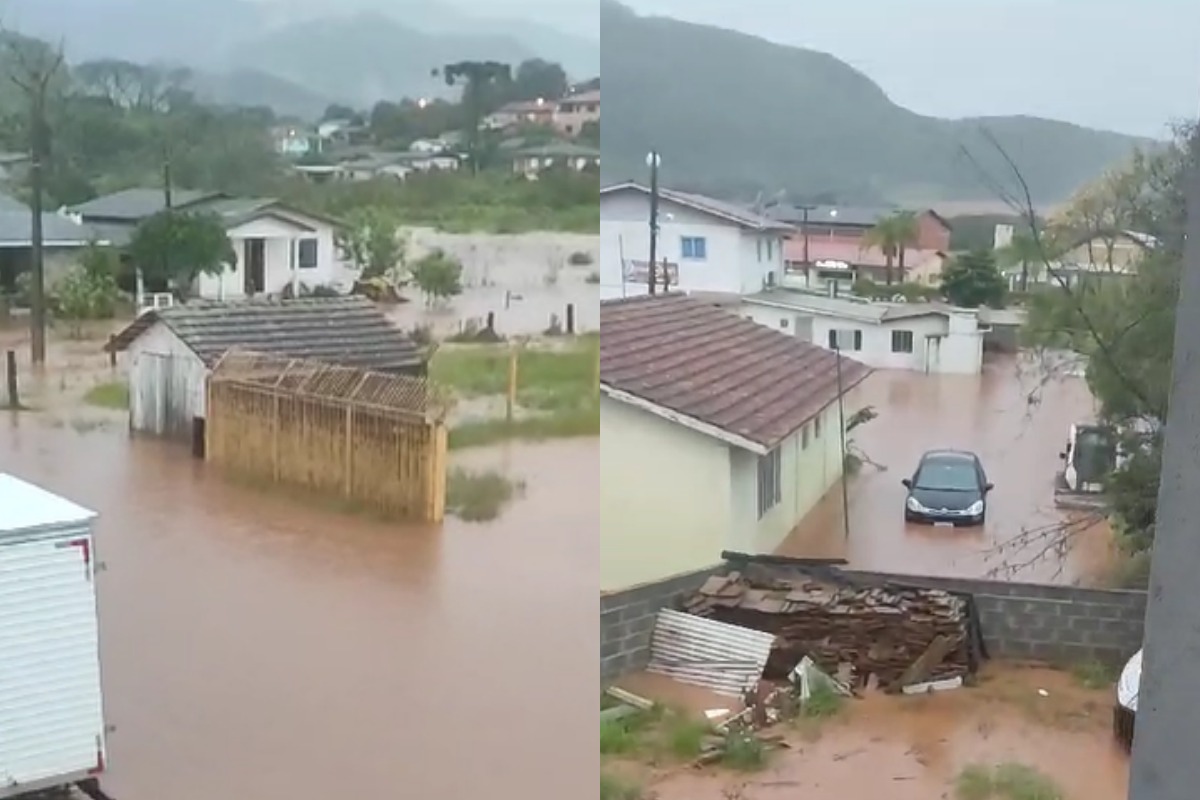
693 358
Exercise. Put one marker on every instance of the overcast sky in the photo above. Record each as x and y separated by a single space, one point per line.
1124 65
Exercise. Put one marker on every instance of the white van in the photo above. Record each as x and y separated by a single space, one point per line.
52 729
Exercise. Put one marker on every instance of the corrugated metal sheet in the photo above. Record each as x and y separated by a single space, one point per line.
50 691
24 507
724 658
165 394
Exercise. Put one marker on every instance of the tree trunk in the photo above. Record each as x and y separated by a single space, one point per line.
1024 276
900 263
887 270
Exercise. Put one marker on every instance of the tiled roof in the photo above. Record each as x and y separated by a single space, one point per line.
137 204
851 308
347 331
688 356
708 205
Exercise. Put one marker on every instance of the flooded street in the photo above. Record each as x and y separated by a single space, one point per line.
523 279
914 748
259 647
1017 422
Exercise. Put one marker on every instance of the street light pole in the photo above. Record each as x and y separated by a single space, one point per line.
804 231
652 161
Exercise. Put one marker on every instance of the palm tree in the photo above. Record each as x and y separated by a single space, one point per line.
893 235
1023 251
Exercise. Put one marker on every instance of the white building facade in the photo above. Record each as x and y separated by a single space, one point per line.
924 337
709 246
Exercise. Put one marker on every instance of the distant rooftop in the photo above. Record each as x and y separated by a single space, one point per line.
708 205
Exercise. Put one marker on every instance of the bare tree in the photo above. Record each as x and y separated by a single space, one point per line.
33 68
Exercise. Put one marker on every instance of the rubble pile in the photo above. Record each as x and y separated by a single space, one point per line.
880 635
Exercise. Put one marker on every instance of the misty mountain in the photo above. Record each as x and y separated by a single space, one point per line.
735 114
355 51
250 88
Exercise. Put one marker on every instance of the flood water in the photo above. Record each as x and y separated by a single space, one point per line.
523 279
259 648
1016 418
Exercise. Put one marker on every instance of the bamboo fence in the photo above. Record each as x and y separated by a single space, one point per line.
377 441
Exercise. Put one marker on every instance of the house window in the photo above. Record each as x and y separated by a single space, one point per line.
783 323
770 482
758 245
306 253
804 437
902 341
845 340
817 427
694 248
770 250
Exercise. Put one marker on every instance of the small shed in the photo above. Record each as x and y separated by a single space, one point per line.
171 351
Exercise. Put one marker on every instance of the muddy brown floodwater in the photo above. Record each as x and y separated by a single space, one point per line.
256 647
1016 418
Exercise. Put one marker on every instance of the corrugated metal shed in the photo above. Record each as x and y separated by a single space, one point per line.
726 659
25 507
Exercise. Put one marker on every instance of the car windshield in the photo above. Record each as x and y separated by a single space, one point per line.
947 475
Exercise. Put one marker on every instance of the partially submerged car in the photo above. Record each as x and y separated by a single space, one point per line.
949 487
1125 708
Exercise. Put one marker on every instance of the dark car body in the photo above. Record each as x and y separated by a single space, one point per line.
948 486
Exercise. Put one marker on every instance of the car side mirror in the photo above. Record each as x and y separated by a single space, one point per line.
907 483
987 487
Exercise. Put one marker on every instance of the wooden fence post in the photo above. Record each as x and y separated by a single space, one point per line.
10 371
570 319
510 400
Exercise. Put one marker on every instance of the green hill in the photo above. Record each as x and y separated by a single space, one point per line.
735 114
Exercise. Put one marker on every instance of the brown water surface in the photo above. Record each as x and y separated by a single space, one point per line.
1016 417
257 647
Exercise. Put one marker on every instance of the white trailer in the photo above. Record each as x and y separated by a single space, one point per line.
52 730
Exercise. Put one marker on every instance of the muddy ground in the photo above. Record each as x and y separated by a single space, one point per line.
916 748
1016 417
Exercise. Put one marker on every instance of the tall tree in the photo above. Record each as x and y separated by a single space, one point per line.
1023 251
34 67
477 79
893 235
536 79
972 280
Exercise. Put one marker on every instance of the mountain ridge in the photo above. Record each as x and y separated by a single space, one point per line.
806 122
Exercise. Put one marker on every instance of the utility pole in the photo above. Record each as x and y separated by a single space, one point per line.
32 74
652 161
804 211
1168 714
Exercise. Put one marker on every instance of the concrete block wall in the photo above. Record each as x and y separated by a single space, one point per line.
1058 625
627 620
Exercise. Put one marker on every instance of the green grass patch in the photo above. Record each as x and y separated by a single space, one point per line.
743 751
1095 675
823 702
548 379
684 736
1009 781
614 788
624 735
114 394
479 496
559 425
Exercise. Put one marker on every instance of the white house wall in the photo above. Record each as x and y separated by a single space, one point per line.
166 383
665 497
808 470
956 353
734 263
278 235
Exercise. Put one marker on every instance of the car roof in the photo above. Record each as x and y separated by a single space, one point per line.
949 455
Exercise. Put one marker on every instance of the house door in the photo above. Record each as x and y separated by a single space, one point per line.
933 354
254 263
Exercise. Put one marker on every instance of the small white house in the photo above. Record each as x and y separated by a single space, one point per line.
927 337
719 434
710 245
171 351
51 695
274 244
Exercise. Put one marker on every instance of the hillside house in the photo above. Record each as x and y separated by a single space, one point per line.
1092 257
926 337
533 160
709 245
274 244
521 112
719 434
577 110
170 351
822 264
